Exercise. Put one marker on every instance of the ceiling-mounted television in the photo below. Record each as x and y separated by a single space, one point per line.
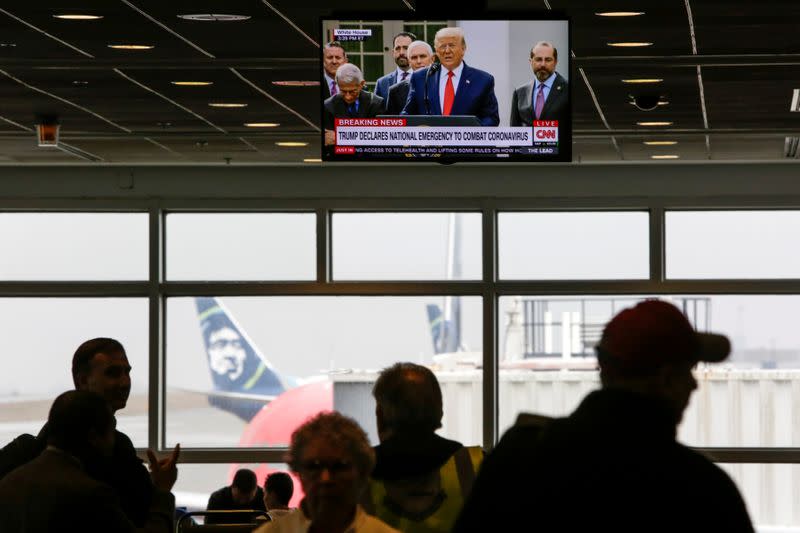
489 88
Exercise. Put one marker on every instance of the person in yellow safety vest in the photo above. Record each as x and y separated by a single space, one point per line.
421 480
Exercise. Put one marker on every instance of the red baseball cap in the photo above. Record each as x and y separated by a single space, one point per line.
654 332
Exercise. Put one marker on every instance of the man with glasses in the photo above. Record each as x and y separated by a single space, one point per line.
332 456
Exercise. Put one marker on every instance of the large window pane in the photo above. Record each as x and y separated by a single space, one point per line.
322 352
406 246
576 245
750 400
241 246
41 334
770 492
732 244
73 246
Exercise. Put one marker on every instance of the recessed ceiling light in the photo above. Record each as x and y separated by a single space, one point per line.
131 46
619 13
312 160
296 83
8 45
262 124
630 44
654 123
665 156
660 143
214 17
643 80
80 82
226 104
192 83
77 16
291 143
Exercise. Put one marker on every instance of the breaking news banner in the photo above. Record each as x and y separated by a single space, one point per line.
351 35
393 135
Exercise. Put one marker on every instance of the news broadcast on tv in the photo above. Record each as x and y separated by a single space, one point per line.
446 90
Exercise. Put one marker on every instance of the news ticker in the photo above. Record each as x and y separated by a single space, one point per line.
439 151
382 132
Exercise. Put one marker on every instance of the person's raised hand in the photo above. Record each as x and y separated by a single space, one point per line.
164 472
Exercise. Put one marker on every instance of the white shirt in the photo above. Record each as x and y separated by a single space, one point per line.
443 82
297 522
328 81
548 84
399 74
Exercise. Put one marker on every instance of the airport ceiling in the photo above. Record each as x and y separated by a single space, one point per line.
729 70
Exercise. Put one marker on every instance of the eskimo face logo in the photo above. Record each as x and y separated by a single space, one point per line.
225 353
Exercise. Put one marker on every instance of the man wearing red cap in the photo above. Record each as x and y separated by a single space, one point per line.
614 463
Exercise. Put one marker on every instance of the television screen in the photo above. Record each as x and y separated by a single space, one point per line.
446 90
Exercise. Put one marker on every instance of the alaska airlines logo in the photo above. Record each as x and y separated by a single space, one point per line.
226 354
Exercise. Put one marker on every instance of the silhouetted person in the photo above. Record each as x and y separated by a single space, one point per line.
101 366
242 494
278 490
420 480
332 456
614 464
53 492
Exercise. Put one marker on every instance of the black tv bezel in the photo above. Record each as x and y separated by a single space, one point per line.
565 150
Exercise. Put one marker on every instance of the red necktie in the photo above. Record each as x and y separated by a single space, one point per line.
449 94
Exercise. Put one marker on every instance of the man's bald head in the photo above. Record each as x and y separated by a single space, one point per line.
408 399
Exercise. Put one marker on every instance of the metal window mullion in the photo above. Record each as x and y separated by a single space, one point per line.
156 321
489 300
324 255
657 245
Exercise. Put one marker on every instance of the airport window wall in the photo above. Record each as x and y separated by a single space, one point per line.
242 317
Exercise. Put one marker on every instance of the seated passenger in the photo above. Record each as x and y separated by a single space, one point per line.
332 456
242 494
420 480
278 490
55 493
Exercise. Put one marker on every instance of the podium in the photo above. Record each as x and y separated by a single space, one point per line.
438 120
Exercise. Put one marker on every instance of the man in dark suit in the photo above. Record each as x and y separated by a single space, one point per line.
54 492
455 88
352 101
547 96
420 55
400 47
333 57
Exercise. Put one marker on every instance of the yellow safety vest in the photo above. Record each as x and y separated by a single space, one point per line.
456 478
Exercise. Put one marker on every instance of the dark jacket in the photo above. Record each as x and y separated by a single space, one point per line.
222 500
124 470
556 106
54 493
369 106
396 100
612 465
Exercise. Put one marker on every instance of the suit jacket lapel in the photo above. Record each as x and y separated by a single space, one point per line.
462 92
526 112
433 92
556 93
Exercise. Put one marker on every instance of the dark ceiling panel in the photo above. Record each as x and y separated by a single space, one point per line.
749 27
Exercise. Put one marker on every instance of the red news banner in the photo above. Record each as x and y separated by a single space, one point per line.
351 132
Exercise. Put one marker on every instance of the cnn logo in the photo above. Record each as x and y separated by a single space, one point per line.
545 134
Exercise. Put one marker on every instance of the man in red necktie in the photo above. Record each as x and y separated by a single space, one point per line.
455 88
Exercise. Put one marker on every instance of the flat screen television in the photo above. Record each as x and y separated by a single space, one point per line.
433 89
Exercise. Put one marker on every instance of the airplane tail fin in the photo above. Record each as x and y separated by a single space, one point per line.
243 379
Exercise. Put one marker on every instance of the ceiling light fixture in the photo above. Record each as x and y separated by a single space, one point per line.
643 80
192 83
214 17
660 143
8 45
630 44
619 13
226 104
76 16
291 143
296 83
80 82
131 46
654 123
262 124
312 160
665 156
